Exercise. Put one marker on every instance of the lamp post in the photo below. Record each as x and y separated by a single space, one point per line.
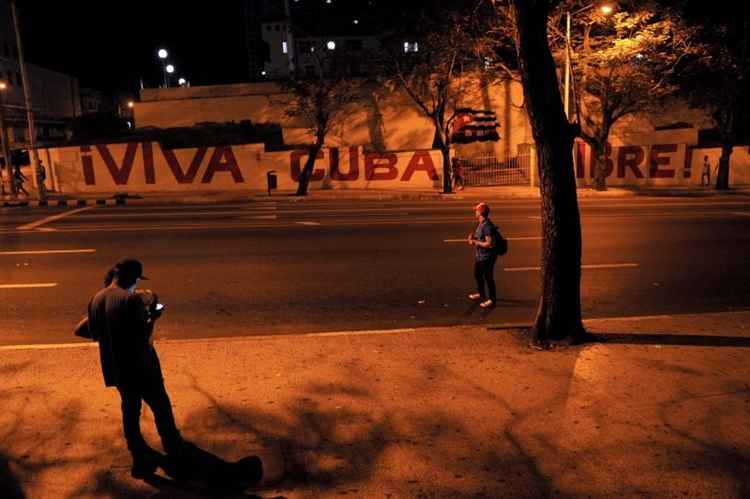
170 69
7 176
29 110
182 82
162 53
605 9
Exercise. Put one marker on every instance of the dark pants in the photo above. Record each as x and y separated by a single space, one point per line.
484 273
152 391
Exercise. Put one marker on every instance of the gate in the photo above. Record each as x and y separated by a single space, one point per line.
488 169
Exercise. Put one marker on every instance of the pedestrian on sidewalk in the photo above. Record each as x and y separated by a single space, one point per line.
41 176
122 321
458 175
706 173
19 178
484 239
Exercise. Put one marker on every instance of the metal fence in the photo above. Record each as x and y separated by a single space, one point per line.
490 170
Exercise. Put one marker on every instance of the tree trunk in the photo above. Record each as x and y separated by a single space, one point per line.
304 177
447 175
439 142
559 312
600 171
722 176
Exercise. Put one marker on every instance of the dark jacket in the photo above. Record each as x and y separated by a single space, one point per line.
118 320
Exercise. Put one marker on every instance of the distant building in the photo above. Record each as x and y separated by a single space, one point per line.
310 36
55 96
94 101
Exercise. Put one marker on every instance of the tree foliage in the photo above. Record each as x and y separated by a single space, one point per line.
321 101
622 64
718 80
432 70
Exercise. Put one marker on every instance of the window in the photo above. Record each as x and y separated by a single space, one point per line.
284 47
411 47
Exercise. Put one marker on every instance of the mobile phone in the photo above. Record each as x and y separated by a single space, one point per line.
159 306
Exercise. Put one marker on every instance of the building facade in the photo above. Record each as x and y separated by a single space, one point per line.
55 96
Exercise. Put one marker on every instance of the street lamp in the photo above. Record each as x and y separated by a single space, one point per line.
170 70
162 53
181 82
130 104
605 9
7 178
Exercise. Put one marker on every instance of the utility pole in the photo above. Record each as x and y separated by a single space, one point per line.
7 177
29 111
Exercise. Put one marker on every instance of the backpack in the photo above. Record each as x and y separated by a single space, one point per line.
500 244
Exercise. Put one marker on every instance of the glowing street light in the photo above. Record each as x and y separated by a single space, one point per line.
181 82
170 68
131 104
605 9
162 54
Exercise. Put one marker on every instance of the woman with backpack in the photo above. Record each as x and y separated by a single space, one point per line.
488 245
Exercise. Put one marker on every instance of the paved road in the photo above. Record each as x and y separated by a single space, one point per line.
278 267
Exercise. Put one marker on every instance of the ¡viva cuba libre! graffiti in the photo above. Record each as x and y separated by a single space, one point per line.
222 160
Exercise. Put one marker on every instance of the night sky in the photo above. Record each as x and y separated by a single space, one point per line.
111 49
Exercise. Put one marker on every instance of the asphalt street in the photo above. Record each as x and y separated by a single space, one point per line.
282 267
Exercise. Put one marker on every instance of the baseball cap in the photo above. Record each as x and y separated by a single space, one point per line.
130 267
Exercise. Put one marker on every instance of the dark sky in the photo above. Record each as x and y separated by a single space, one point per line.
109 45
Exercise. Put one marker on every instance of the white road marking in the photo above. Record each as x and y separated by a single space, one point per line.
27 286
741 213
585 267
308 223
260 217
534 218
49 346
49 252
46 229
52 218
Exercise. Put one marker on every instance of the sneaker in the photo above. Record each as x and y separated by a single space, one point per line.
487 304
475 296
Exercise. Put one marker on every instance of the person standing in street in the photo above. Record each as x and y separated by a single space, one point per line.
484 239
122 323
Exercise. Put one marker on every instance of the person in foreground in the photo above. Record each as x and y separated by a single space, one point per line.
122 321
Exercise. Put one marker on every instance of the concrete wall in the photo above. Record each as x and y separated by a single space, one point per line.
145 167
384 119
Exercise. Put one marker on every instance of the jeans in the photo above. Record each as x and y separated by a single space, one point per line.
155 394
484 273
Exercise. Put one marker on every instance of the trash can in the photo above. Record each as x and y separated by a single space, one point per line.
272 181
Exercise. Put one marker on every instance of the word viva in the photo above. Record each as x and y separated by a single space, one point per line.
221 160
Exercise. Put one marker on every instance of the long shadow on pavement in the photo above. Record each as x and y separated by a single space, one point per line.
670 339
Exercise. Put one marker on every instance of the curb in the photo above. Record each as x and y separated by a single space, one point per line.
63 202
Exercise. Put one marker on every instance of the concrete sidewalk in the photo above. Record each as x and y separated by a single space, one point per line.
470 193
660 410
